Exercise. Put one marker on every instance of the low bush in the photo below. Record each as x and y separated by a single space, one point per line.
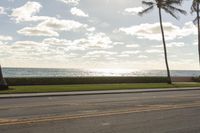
196 79
82 80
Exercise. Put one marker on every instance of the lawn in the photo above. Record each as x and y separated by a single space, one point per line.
92 87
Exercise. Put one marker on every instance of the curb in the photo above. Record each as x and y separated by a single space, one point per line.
77 93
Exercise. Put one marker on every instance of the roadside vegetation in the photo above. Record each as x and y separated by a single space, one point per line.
82 80
93 87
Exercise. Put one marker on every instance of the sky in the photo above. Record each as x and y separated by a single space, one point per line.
93 34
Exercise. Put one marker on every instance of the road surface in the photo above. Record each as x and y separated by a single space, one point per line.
153 112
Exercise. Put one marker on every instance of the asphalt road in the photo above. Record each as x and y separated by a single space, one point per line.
157 112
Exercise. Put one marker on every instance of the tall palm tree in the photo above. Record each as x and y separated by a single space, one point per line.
169 6
3 84
196 8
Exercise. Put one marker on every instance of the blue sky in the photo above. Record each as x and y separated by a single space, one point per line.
93 34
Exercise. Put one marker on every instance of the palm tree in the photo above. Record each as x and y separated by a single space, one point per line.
3 84
169 6
195 8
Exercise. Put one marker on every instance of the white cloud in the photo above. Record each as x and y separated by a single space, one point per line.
92 29
91 41
132 46
124 55
27 43
98 54
131 52
61 24
56 41
171 44
70 2
133 11
5 38
78 12
154 51
95 41
27 12
175 44
128 53
152 31
143 56
2 10
37 50
195 42
118 43
51 26
36 31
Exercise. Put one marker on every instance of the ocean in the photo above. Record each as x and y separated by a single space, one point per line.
54 72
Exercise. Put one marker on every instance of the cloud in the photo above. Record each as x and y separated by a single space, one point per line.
61 24
132 46
131 52
98 54
91 41
5 38
92 29
128 53
2 10
143 56
51 26
195 42
56 41
171 44
176 44
70 2
124 55
118 43
21 49
133 11
78 12
154 51
39 50
27 12
95 41
27 43
37 31
152 31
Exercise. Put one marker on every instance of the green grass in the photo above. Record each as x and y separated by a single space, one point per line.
93 87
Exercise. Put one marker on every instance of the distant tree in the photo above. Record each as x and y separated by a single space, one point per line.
3 84
169 6
195 8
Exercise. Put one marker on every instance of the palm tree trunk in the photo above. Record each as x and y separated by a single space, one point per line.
198 23
165 49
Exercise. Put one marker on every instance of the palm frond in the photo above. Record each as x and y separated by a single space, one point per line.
195 21
175 9
170 12
146 10
194 6
147 3
173 2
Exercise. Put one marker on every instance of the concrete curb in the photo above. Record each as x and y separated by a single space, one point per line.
51 94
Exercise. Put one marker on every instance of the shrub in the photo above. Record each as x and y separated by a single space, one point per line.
82 80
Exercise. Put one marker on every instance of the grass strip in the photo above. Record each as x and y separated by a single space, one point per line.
92 87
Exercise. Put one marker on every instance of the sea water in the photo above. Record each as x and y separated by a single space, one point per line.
55 72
